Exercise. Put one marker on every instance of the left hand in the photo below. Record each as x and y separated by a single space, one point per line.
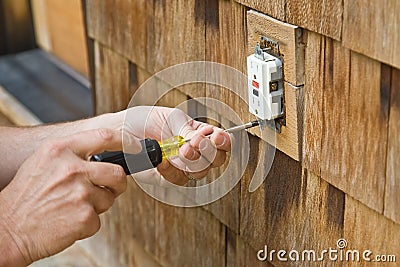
195 157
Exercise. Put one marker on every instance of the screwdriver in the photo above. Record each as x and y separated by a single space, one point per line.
154 152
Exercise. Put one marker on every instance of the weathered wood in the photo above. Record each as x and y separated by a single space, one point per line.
225 34
42 34
121 25
176 34
188 237
392 189
271 215
314 62
275 8
60 30
335 145
324 17
241 254
128 224
371 28
291 39
74 256
16 27
111 79
365 229
362 106
227 208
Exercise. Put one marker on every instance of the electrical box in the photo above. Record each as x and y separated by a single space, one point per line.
265 85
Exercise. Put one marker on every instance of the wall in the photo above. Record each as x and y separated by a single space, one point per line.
16 27
344 182
60 30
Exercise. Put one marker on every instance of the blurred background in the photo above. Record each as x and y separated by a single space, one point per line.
43 62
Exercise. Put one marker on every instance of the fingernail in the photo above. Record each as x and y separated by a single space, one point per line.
224 140
189 152
203 144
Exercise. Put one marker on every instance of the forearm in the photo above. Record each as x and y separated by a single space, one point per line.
18 143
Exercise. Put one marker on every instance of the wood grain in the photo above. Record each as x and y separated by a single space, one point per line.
392 188
313 95
337 118
60 28
241 254
176 34
271 215
121 25
130 223
346 116
227 208
42 33
275 8
291 39
111 80
324 17
365 229
188 237
16 27
362 107
372 29
225 33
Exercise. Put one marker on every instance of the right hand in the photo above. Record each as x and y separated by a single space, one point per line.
56 195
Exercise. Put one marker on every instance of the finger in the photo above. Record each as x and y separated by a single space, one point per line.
189 152
96 141
199 175
108 175
102 199
221 139
180 123
172 174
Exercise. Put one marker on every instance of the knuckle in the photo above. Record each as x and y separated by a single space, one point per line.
105 134
54 147
120 177
89 220
87 215
83 194
72 169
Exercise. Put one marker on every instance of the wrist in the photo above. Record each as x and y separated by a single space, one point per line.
113 121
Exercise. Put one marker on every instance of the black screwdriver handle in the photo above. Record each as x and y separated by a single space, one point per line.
148 158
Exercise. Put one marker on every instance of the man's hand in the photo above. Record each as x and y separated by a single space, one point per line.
56 196
195 157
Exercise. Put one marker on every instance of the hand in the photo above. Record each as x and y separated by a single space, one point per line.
160 123
56 195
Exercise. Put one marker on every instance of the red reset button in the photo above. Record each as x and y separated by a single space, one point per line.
255 84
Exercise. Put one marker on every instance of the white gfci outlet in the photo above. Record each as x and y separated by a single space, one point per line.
265 86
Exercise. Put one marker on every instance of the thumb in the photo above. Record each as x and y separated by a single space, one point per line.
180 123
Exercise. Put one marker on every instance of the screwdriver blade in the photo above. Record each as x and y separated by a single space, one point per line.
236 128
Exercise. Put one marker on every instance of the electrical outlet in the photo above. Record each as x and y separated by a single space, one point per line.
265 85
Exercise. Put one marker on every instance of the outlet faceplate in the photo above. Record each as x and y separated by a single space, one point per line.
265 86
286 42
